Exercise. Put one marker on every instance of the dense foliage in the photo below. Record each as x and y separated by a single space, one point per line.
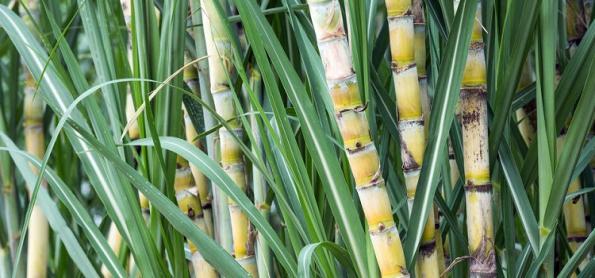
284 138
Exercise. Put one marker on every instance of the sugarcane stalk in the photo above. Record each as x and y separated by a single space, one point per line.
421 64
524 121
221 219
201 181
263 253
38 230
408 64
574 214
205 220
187 196
478 186
359 147
574 210
10 209
37 240
232 158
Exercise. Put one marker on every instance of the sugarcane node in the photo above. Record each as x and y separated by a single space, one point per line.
358 109
577 239
376 181
207 205
331 37
403 14
472 91
399 69
191 213
409 163
377 176
476 45
426 249
472 187
33 124
361 108
357 148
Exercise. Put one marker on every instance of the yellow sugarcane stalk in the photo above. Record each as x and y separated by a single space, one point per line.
421 63
204 222
37 240
574 210
189 203
407 50
232 158
524 121
478 186
201 181
359 147
574 214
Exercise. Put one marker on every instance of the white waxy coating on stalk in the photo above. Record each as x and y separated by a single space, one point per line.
353 125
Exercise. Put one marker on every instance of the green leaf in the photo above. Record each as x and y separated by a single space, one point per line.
120 201
218 177
577 193
262 38
579 127
100 245
306 255
53 215
519 196
517 31
212 252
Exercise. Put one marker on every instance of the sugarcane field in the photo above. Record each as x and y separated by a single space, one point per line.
297 138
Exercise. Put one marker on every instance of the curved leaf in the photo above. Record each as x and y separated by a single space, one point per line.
213 253
219 178
98 241
307 253
53 215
